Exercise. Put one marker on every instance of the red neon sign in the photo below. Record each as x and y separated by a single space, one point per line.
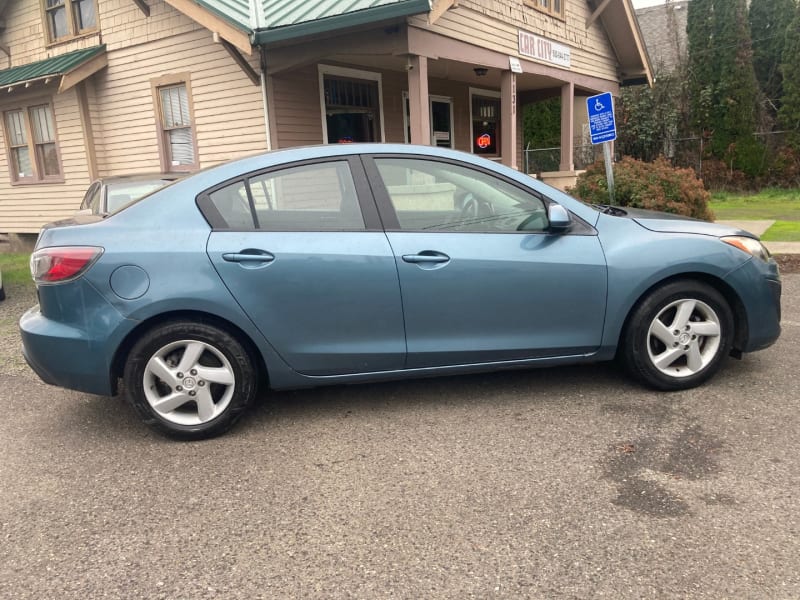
484 141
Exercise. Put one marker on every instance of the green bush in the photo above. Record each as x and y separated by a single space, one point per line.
654 186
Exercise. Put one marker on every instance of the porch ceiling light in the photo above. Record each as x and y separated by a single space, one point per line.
480 71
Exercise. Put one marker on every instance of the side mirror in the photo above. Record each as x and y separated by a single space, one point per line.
559 218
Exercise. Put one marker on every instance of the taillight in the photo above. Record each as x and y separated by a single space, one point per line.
62 263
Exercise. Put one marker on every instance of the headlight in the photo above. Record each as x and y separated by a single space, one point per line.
749 245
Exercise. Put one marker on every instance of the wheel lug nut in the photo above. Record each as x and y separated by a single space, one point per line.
179 375
193 371
192 393
179 388
201 383
676 332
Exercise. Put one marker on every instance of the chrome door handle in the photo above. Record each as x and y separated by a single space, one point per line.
425 258
242 257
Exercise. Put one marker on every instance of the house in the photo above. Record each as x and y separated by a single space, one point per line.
663 29
105 87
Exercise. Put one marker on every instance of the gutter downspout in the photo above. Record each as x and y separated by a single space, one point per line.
258 20
264 101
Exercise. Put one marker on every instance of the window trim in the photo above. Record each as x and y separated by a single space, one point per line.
548 10
486 94
72 30
37 178
351 74
164 157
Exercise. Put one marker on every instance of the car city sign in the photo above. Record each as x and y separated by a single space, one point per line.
543 49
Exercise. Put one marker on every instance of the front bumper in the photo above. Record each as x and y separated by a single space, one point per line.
759 288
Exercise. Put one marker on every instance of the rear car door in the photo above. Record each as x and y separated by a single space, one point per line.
302 251
482 279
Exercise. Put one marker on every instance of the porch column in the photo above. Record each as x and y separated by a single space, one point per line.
420 119
567 127
508 119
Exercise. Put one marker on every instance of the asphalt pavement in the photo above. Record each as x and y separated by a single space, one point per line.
557 483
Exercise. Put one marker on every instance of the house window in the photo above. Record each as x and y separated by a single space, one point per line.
351 104
177 143
554 8
31 142
69 18
485 125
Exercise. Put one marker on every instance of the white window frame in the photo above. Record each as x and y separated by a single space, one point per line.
444 100
352 74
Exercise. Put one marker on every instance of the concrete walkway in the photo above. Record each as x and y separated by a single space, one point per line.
758 228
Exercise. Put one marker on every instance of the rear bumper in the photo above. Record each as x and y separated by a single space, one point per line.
65 356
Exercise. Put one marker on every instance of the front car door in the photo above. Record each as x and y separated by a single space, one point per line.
481 278
301 249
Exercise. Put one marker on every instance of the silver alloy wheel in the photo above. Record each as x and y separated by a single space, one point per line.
188 382
684 338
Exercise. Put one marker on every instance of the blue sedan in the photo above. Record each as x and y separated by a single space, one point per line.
353 263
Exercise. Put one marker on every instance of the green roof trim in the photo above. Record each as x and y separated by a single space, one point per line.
325 15
288 19
49 67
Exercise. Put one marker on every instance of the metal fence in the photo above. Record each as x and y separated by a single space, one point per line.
543 160
681 152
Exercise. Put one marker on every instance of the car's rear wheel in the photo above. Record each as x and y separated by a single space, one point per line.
678 336
189 380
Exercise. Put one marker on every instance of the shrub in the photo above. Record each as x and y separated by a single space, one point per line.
654 186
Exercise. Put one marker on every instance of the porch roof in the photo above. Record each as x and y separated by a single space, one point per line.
72 67
277 20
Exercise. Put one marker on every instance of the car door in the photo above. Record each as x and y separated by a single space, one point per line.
482 279
301 249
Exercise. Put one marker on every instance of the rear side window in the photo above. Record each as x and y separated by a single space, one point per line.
313 197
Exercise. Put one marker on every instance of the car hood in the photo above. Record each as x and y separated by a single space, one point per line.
670 223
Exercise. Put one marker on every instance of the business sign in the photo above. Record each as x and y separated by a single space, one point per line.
602 126
483 141
543 49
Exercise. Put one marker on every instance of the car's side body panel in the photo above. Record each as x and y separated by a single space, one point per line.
500 296
329 303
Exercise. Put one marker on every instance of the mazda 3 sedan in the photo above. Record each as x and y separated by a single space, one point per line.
353 263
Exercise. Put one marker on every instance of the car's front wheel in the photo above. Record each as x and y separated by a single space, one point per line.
678 336
189 380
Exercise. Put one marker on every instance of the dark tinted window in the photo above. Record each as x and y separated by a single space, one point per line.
316 197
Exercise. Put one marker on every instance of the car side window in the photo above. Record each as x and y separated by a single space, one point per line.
313 197
439 196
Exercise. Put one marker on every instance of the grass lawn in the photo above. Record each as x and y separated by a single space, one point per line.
15 268
782 206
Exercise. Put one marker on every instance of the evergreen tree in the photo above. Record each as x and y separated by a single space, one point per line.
722 80
790 68
699 35
769 20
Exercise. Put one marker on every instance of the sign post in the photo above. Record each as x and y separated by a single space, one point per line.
603 130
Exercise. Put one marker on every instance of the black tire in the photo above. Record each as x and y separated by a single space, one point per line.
648 348
208 398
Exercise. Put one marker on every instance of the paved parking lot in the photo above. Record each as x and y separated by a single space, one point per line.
568 483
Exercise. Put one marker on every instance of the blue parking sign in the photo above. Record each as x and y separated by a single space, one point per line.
601 118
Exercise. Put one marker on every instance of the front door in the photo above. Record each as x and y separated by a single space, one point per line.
481 279
441 122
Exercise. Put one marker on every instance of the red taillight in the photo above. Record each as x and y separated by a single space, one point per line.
64 263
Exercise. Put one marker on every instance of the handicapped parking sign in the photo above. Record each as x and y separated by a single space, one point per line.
601 118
